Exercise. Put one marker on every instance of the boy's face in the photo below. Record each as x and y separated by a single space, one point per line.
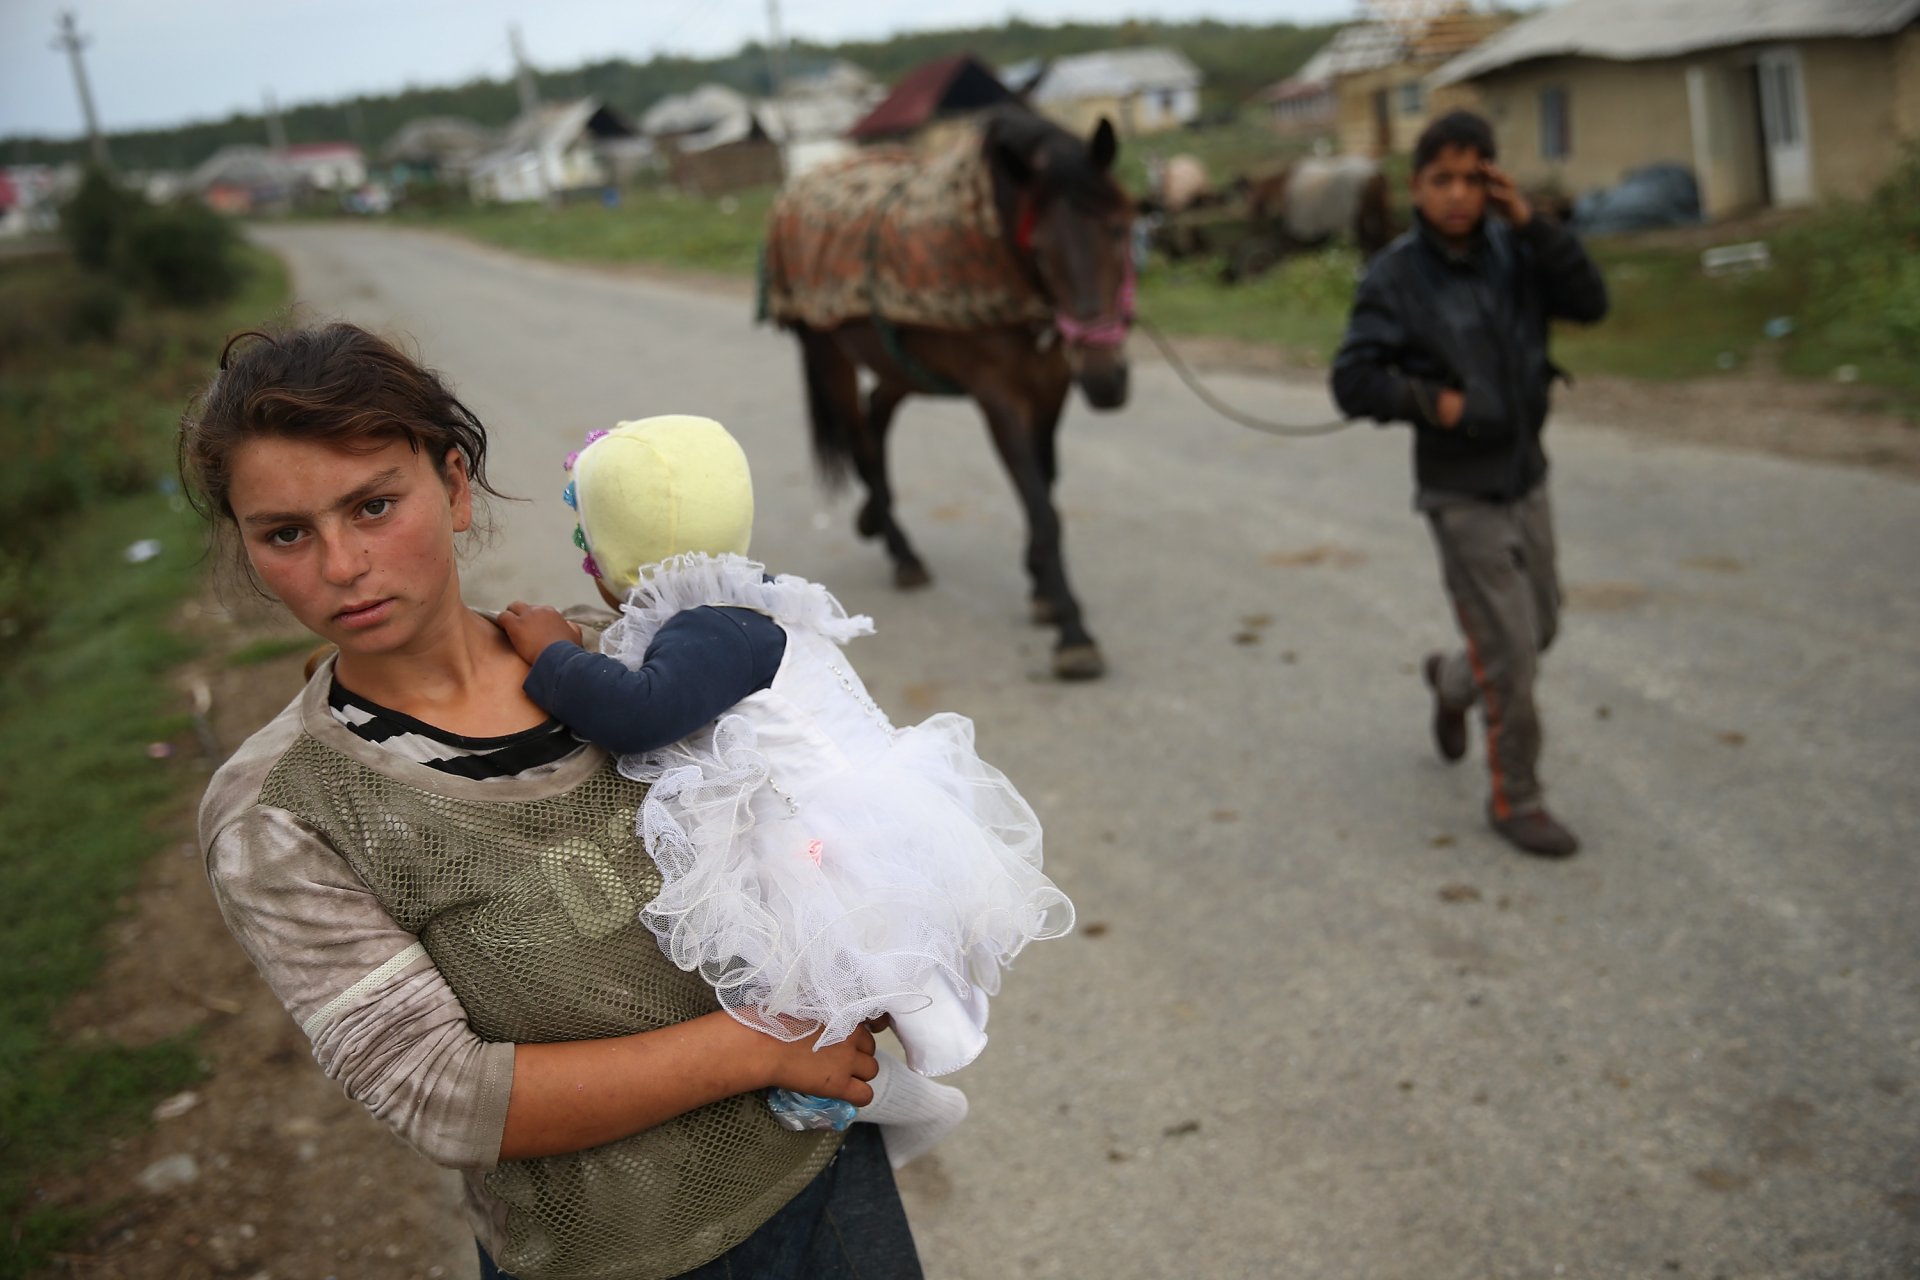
1451 191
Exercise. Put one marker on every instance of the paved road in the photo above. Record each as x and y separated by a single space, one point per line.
1317 1022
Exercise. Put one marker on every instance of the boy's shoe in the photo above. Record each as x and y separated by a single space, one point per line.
1537 832
1449 727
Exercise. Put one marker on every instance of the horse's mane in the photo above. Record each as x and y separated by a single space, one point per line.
1068 172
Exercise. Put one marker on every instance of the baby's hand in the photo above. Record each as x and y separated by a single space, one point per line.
532 627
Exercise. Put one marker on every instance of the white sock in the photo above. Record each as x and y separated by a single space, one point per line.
912 1111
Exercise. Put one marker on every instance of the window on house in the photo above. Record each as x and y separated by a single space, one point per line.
1785 121
1556 124
1413 98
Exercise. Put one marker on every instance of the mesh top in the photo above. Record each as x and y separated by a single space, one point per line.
529 908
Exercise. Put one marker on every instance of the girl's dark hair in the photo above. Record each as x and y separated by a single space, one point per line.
333 384
1461 129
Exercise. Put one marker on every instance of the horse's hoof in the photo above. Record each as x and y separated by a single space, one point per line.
868 523
1042 611
1079 662
911 576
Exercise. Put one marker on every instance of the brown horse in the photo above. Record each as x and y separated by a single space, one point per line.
1019 286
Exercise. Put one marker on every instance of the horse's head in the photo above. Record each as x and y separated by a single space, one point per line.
1072 224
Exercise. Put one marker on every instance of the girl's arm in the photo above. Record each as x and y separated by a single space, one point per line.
701 663
386 1025
567 1097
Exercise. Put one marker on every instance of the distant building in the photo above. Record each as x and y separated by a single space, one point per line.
435 149
1304 105
709 109
326 166
1141 91
1382 96
243 179
810 119
1768 102
27 201
560 149
931 101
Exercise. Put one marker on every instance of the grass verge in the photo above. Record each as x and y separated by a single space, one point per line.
88 654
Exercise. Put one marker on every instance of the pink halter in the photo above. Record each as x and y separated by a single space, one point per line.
1109 330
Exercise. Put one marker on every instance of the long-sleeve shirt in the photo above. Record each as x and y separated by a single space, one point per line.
701 663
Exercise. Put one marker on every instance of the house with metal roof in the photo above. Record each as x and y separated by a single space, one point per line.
934 93
1769 102
1142 91
555 150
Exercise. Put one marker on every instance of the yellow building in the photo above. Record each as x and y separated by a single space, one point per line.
1142 91
1768 102
1382 95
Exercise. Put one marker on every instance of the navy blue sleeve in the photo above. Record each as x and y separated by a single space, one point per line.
700 663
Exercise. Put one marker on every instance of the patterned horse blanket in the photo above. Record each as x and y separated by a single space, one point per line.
915 240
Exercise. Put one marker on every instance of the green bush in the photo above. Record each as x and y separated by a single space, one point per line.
94 311
184 255
1864 269
95 220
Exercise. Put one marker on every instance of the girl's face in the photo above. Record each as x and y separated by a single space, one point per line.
357 545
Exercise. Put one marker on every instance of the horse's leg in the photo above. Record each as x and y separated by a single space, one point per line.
1049 403
1018 422
876 518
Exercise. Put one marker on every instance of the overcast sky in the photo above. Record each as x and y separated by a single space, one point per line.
164 62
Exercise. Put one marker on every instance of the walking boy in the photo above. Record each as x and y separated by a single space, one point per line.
1449 334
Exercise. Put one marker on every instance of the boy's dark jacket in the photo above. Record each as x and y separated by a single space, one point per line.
1427 318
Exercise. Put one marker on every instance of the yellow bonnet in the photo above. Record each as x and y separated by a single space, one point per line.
657 488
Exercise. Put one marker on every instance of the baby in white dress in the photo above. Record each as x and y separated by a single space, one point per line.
821 866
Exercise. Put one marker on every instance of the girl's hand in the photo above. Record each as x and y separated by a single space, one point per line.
532 627
837 1071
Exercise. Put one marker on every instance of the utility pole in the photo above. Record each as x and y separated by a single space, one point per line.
523 72
777 73
72 41
276 127
530 112
776 50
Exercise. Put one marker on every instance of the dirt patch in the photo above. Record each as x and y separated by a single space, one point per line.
269 1170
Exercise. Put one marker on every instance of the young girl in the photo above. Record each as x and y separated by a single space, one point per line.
822 867
442 884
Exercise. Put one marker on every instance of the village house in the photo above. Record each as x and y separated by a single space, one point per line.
326 166
435 149
1142 91
932 102
1768 102
1382 95
28 203
244 179
713 140
812 115
555 151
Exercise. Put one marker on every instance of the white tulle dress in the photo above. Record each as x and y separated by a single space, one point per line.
821 866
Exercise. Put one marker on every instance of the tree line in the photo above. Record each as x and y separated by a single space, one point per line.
1236 59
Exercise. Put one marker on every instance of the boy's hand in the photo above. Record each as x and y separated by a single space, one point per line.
1449 407
1505 197
532 627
